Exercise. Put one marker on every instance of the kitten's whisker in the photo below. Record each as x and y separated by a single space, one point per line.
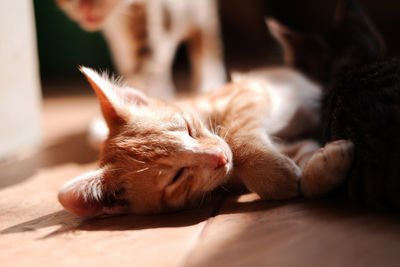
227 132
210 195
140 170
218 129
215 125
210 124
223 187
111 170
210 182
202 199
139 161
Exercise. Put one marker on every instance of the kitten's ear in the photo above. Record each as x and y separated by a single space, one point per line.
82 196
287 38
87 196
348 15
342 10
308 53
109 102
347 11
113 99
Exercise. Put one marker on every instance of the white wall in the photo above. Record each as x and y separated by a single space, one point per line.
20 99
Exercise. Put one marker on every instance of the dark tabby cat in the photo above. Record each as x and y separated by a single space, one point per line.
363 105
351 40
362 98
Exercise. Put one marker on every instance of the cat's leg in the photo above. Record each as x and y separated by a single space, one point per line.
326 168
154 74
262 168
323 169
206 55
162 66
300 151
140 50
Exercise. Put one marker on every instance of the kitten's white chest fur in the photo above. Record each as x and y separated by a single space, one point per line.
292 97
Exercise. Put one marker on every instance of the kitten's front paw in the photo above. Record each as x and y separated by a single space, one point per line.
274 180
327 168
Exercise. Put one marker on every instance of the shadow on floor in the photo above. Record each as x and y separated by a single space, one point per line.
331 209
68 222
303 232
71 149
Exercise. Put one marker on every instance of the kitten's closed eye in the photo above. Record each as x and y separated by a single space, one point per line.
159 167
177 176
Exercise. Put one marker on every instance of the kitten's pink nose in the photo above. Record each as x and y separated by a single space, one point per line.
221 158
214 158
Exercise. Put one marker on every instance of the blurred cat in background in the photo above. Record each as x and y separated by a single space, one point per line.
351 40
361 100
143 36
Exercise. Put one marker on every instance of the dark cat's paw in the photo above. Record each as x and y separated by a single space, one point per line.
327 168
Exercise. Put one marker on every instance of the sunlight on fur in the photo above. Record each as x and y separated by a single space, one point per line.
160 156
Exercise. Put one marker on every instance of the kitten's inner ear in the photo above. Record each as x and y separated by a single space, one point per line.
109 102
83 195
90 195
287 38
132 97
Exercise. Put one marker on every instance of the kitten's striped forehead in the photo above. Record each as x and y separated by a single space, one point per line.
151 135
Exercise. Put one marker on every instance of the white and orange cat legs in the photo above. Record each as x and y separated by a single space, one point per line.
143 36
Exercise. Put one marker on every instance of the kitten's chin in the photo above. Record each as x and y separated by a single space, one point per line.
91 27
91 24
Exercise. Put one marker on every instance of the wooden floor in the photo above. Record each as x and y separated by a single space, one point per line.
232 231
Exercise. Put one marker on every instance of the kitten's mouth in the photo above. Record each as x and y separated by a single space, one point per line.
93 19
91 23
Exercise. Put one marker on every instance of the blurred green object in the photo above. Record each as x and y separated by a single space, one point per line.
63 45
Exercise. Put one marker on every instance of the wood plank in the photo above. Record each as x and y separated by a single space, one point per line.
35 230
328 232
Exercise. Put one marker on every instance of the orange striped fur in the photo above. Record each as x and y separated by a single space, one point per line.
163 156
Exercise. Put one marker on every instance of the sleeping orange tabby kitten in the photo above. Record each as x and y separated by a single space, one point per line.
162 156
143 36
